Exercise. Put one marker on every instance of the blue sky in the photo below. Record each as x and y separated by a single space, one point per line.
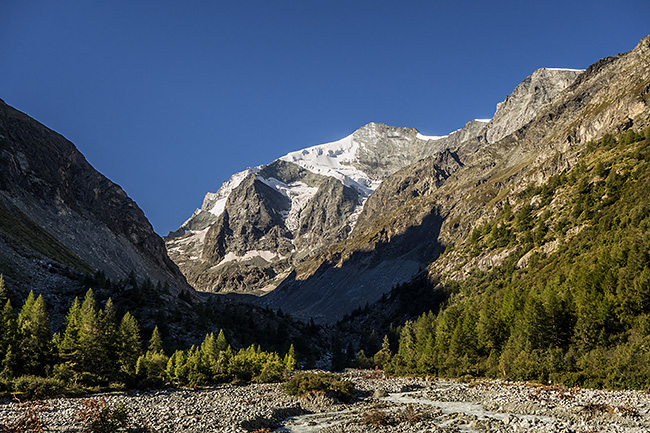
169 98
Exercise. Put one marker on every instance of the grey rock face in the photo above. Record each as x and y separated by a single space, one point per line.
252 221
385 149
523 104
49 181
416 180
326 218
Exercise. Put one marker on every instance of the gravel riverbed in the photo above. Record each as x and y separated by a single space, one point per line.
382 405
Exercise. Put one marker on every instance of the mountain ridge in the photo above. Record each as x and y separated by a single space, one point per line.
46 182
602 100
361 162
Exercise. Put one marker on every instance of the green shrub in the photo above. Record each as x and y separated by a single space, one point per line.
38 387
304 383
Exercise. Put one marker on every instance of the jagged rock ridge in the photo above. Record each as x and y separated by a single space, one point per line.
249 235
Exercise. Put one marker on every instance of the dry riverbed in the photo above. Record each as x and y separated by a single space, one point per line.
382 405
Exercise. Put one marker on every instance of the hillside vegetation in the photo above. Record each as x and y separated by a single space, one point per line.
571 302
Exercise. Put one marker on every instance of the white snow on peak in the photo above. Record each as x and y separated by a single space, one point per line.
430 137
334 159
564 69
482 120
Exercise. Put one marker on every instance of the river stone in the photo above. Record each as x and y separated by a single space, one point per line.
379 393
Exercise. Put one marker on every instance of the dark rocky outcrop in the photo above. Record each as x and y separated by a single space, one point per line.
326 218
72 217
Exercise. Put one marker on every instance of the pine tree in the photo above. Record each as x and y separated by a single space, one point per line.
9 364
174 366
4 295
8 341
384 355
68 345
290 362
34 334
156 342
209 355
130 344
222 343
8 329
109 339
92 355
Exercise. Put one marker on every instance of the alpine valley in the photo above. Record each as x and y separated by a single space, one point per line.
516 247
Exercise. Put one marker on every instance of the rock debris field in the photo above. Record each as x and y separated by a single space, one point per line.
381 405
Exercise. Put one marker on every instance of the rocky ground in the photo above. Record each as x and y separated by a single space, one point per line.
382 405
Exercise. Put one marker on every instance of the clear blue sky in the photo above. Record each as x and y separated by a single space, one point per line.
169 98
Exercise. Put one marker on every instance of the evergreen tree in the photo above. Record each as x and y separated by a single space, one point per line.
4 295
290 362
90 338
9 364
34 335
222 343
384 355
8 328
156 342
68 345
8 341
130 347
109 339
209 355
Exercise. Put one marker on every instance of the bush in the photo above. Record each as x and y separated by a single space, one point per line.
38 387
305 383
375 417
98 417
410 415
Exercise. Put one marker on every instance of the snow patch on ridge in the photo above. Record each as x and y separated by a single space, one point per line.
564 69
430 137
299 194
232 257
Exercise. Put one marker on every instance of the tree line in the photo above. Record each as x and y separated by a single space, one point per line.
97 349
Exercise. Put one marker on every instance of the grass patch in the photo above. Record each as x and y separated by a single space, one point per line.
25 232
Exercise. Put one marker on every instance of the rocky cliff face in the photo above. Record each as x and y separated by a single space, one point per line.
523 104
60 216
428 208
251 233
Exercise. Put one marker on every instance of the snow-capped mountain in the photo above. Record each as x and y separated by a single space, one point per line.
250 234
308 199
